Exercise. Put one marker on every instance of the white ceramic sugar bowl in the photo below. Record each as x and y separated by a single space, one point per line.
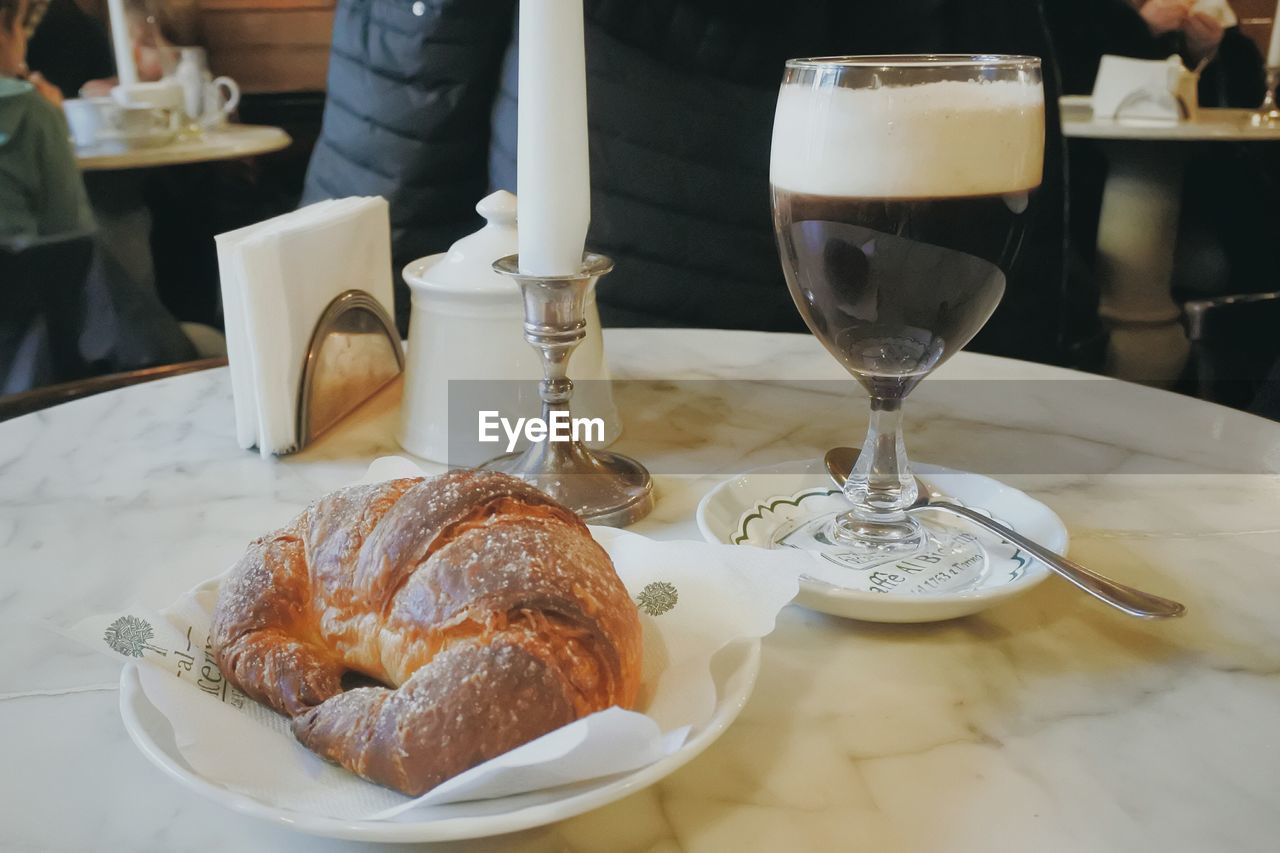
467 324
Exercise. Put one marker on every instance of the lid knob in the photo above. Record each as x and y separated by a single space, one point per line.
498 208
467 268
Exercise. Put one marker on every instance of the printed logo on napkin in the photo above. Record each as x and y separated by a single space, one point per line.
960 561
694 599
657 598
174 643
131 636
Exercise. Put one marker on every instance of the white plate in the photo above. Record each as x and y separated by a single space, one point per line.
724 507
734 670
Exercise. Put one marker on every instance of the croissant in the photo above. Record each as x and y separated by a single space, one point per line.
484 610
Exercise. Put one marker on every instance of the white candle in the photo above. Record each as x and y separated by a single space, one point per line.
1273 51
553 173
126 69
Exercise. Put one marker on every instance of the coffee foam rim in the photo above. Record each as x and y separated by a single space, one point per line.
939 139
923 197
968 96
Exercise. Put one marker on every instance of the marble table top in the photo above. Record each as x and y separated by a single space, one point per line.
1210 125
230 142
1047 724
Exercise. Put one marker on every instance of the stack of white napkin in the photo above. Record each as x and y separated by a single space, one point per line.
278 277
1144 89
1159 90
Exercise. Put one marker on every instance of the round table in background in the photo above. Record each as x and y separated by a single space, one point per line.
1138 228
115 180
230 142
1049 723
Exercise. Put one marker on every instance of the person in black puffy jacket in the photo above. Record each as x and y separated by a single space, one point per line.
421 109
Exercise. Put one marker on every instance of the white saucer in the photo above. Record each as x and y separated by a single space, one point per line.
734 670
123 140
761 506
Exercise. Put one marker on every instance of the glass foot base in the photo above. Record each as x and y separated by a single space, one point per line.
943 558
882 538
898 538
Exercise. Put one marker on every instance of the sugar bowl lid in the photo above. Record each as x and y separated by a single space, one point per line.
468 265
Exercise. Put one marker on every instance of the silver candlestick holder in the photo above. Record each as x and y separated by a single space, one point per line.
602 487
1268 114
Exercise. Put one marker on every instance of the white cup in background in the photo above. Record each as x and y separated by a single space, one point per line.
87 118
222 96
93 120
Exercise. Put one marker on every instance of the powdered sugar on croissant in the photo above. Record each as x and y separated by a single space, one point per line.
485 607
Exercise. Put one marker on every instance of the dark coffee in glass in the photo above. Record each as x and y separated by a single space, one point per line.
895 287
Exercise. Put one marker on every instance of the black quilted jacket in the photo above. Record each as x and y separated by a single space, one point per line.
681 94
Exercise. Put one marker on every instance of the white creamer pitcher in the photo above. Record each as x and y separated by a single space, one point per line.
192 74
467 324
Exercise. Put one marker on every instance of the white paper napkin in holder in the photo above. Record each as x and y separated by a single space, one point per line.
279 278
1145 90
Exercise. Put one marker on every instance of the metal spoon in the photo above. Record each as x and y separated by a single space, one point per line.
1135 602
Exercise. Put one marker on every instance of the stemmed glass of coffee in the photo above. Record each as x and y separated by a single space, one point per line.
901 186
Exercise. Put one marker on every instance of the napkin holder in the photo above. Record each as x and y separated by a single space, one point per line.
1163 91
354 352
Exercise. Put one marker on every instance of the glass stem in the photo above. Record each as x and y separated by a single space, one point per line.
881 485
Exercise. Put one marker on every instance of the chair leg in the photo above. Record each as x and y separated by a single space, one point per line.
64 312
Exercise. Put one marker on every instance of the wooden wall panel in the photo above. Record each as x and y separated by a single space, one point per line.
259 28
266 4
269 45
275 70
1255 20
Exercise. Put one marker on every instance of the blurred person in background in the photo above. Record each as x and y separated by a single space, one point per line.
45 223
41 191
71 47
421 109
1228 220
155 28
1085 30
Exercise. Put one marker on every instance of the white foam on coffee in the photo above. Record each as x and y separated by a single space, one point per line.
931 140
